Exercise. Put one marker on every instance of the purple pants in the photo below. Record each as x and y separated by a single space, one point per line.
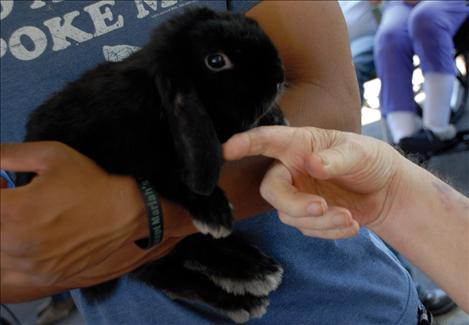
426 29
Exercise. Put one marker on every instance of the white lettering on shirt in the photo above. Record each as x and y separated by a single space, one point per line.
3 47
6 6
168 3
18 49
142 12
29 42
100 17
41 3
38 4
152 4
118 53
60 32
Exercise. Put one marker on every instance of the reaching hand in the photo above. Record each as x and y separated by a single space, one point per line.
325 182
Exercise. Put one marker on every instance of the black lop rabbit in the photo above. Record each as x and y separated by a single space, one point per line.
162 114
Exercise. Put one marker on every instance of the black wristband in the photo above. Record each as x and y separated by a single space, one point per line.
154 214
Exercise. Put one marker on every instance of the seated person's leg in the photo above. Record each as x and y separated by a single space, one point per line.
432 26
394 67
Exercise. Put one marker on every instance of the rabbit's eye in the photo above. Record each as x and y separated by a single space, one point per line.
218 62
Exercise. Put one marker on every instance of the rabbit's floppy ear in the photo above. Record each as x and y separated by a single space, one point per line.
195 139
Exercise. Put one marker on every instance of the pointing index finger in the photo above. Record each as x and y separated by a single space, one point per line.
268 141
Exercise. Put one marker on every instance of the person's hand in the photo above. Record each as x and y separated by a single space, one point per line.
73 225
325 182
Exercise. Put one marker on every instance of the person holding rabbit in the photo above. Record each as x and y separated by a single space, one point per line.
75 225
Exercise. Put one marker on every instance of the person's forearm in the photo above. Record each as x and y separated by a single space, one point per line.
428 223
312 39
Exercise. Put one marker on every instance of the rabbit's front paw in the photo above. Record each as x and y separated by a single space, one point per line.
232 264
213 214
178 282
260 285
248 307
256 279
239 308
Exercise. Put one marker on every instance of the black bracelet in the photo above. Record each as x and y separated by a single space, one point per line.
154 214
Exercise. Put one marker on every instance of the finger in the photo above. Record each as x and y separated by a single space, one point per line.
337 233
29 156
269 141
334 218
277 189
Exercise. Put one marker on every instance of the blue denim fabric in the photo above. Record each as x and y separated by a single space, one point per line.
241 5
352 281
61 296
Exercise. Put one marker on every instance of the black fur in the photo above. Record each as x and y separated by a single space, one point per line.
161 114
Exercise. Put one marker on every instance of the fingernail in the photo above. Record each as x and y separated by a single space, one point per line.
315 209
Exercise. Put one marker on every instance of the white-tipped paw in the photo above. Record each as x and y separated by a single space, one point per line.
257 287
242 315
214 231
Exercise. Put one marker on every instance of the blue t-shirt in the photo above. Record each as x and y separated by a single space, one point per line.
45 44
